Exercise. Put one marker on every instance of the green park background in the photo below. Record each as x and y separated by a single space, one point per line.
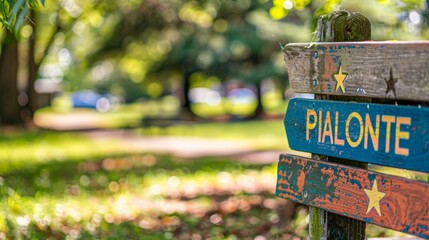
148 119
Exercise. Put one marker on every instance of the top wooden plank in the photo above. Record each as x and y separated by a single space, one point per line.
394 70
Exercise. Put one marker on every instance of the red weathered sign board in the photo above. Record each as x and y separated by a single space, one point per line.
388 201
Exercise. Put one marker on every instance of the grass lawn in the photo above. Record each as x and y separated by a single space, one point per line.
261 135
63 185
57 185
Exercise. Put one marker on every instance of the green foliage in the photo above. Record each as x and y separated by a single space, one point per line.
146 48
14 12
142 42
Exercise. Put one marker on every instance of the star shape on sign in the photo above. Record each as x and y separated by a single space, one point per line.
374 198
391 83
340 77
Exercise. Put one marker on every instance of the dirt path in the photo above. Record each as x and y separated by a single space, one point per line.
188 147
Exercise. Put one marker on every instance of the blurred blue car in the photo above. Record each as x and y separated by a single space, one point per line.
94 100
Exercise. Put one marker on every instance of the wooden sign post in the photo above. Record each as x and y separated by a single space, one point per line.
370 106
339 26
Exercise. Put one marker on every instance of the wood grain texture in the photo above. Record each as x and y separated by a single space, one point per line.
339 26
388 201
343 26
396 136
394 70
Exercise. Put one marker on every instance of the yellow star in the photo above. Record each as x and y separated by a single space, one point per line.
374 198
340 77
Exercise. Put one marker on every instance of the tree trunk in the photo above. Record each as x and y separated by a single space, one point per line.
10 111
259 111
187 113
33 97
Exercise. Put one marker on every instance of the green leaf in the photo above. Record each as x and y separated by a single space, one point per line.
15 10
20 20
10 2
43 2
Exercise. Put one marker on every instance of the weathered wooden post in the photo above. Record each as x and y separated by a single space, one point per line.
371 106
339 26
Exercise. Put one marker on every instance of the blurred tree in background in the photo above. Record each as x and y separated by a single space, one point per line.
148 49
12 17
152 48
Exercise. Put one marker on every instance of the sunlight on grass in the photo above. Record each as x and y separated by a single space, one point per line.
127 115
24 150
259 134
68 186
139 194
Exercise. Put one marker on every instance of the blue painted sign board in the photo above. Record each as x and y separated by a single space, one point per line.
396 136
